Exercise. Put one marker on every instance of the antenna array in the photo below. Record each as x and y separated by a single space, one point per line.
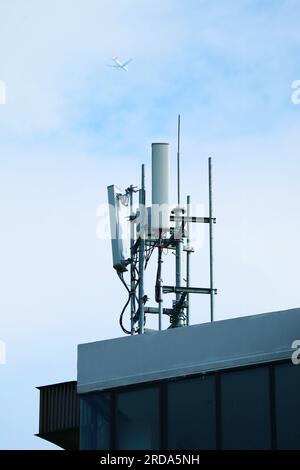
156 228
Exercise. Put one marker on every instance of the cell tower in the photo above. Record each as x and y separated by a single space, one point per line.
136 234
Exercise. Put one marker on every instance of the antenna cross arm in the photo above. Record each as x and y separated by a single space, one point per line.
187 290
185 219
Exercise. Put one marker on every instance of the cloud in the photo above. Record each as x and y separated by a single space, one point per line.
192 56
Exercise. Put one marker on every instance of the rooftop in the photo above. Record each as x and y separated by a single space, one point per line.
185 351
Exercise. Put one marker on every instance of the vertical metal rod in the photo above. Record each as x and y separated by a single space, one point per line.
178 213
142 203
178 225
160 304
160 309
178 257
211 240
178 162
188 253
132 266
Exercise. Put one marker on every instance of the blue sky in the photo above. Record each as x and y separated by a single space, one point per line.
71 126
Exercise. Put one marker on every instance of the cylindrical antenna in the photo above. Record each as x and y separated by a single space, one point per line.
160 213
142 204
178 161
211 240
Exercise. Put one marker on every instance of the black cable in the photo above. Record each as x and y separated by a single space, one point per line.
158 277
149 255
127 332
123 282
130 293
158 298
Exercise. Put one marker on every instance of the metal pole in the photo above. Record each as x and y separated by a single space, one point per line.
188 253
132 266
160 304
178 213
178 257
142 202
211 240
160 309
178 226
178 162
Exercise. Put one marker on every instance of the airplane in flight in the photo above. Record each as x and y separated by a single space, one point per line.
120 65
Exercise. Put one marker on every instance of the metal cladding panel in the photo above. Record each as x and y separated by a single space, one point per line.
188 350
59 408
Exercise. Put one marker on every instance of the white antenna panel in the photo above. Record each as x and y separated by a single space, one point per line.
119 227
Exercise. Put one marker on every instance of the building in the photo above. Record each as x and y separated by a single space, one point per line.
230 384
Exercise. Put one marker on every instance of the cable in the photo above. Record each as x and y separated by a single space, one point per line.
122 280
127 332
158 298
149 255
158 277
130 293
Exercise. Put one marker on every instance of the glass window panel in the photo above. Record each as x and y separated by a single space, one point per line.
95 421
245 409
137 419
192 414
287 386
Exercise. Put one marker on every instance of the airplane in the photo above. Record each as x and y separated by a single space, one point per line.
120 65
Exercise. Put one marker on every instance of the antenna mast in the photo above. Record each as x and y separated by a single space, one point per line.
178 161
178 318
157 228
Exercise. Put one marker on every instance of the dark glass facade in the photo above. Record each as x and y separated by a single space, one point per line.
137 419
247 408
95 421
191 416
287 402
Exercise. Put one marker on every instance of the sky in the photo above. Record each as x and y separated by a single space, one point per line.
71 126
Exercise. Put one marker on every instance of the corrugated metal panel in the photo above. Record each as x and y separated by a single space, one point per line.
59 413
